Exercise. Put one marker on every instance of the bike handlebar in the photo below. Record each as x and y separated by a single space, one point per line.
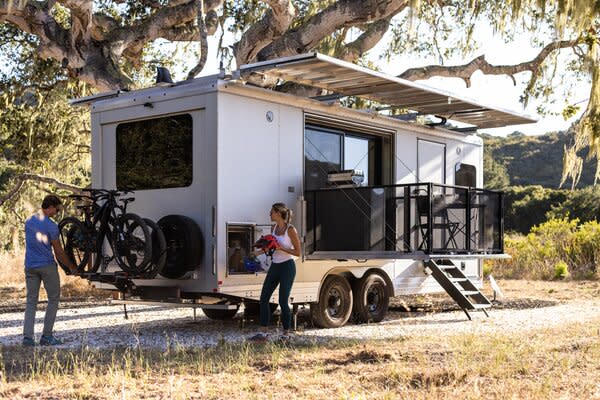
99 193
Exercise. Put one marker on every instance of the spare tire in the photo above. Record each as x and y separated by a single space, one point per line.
184 245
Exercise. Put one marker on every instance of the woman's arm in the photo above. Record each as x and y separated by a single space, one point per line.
295 242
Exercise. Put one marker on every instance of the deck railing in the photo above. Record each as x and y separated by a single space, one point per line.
421 217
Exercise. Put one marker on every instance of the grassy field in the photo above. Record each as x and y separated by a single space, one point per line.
556 363
12 283
560 362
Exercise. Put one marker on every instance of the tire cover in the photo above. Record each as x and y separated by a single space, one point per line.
184 245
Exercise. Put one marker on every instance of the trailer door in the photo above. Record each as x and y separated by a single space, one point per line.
431 161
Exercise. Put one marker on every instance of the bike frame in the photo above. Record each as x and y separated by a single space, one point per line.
104 222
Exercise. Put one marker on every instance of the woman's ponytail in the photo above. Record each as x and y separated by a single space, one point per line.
284 211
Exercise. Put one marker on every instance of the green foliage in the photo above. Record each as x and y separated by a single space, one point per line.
527 206
39 132
534 160
495 174
561 270
555 249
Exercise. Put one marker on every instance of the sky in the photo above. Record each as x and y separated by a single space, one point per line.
493 90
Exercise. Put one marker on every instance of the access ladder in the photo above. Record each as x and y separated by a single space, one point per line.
457 285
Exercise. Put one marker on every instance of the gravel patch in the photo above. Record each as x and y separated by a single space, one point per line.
104 326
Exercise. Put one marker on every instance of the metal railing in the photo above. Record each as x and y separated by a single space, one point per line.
421 217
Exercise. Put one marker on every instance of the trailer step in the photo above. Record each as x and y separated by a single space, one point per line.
458 286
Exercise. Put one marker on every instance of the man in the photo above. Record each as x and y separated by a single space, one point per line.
41 238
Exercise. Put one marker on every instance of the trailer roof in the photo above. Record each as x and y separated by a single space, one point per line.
347 79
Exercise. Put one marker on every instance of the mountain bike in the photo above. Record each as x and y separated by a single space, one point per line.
108 232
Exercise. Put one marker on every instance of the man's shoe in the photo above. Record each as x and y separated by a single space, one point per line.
50 341
285 339
29 342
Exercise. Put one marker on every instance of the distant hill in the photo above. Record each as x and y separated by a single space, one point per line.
533 160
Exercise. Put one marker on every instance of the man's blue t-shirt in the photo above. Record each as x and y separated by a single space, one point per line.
40 230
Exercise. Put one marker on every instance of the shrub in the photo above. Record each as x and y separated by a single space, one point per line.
561 270
555 249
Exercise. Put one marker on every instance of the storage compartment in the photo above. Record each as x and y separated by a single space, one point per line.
240 238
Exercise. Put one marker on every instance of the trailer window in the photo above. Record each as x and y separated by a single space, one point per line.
465 175
327 150
154 154
323 154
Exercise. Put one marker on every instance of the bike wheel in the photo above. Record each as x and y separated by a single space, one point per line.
132 244
159 249
78 242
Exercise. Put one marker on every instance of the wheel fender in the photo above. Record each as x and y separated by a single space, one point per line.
386 277
355 273
344 271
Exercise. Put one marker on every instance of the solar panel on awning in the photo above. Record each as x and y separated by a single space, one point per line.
348 79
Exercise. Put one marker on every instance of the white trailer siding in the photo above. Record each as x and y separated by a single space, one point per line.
195 201
260 162
249 153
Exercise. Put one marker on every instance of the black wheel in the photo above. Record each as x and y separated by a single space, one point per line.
252 308
184 245
371 298
335 303
159 249
133 244
220 314
79 242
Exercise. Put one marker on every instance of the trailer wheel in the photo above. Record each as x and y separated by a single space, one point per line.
252 308
219 314
335 303
371 298
184 245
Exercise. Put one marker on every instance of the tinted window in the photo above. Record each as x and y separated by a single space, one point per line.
155 154
323 154
466 175
327 150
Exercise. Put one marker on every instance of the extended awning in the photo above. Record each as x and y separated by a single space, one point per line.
347 79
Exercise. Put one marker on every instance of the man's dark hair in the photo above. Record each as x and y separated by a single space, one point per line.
51 201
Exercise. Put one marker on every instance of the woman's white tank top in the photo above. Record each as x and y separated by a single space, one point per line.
284 241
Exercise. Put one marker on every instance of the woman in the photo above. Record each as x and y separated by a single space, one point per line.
282 271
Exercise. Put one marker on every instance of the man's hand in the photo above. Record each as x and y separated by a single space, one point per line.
62 258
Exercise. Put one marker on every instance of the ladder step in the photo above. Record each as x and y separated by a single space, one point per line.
458 280
470 292
479 306
447 267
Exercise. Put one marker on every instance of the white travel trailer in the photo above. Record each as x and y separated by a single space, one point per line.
220 151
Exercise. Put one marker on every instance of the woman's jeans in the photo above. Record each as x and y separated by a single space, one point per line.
281 274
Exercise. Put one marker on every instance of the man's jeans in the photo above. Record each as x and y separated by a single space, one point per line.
33 278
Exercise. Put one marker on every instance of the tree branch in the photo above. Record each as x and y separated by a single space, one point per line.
369 39
211 20
81 20
203 45
167 21
467 70
274 23
22 178
340 14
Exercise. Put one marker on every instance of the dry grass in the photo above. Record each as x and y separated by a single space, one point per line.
12 282
553 363
560 362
